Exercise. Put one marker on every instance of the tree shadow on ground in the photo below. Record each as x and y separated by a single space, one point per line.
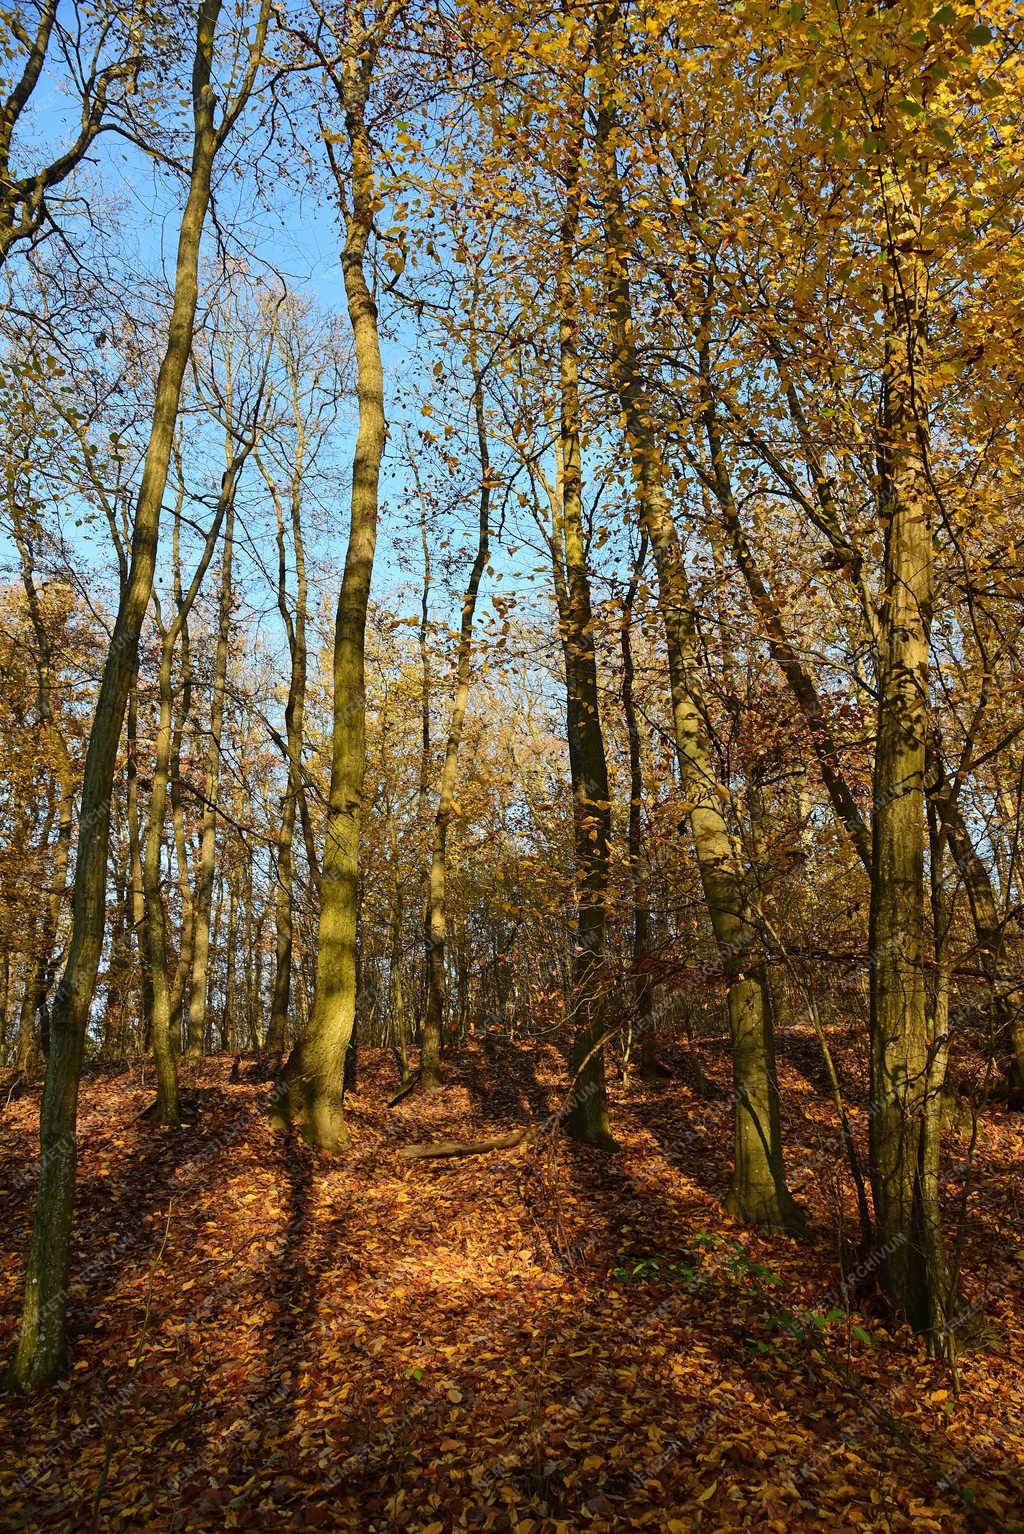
504 1084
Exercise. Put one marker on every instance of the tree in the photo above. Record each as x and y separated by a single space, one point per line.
310 1094
41 1345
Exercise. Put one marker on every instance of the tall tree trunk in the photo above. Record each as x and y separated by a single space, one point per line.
183 969
211 788
758 1192
904 1200
227 1017
312 1079
165 1108
294 726
138 897
437 915
587 1118
41 1344
642 1028
54 737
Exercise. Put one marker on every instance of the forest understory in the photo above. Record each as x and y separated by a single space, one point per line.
544 1338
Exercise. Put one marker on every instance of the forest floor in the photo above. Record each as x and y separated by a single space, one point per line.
543 1339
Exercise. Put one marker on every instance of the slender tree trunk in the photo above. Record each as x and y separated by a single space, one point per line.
119 966
165 1109
399 1023
437 915
294 727
941 1282
423 790
54 736
211 789
651 1067
138 897
758 1191
5 995
183 969
227 1018
587 1118
314 1074
40 1352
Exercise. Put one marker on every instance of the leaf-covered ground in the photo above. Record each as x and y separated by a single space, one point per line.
542 1339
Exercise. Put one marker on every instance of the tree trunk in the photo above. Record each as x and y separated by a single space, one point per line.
138 898
54 736
227 1017
437 914
758 1191
905 1212
587 1118
165 1109
641 1028
310 1092
211 788
294 726
1007 998
40 1352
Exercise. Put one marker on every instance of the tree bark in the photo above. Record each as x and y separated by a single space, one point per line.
294 715
905 1211
165 1109
651 1068
40 1351
758 1191
437 914
211 787
587 1118
310 1092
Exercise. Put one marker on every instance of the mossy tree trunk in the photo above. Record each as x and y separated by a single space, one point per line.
587 1117
758 1191
905 1201
40 1353
310 1092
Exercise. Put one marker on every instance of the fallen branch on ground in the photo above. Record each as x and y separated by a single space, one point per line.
467 1147
405 1090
